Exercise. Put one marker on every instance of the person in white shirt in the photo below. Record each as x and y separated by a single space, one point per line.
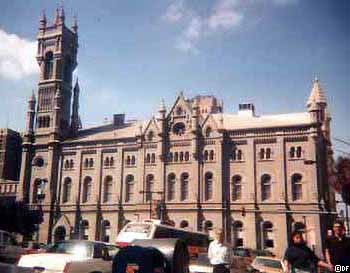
219 254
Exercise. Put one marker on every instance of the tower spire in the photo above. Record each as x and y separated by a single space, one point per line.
42 23
317 96
62 15
57 16
75 121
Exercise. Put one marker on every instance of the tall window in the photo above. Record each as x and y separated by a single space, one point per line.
206 155
149 186
85 230
299 152
297 187
148 158
87 187
268 234
48 65
91 163
184 186
265 187
187 156
129 191
211 155
106 231
67 189
208 186
292 152
108 186
153 158
176 156
236 187
106 162
86 163
171 186
38 189
237 233
262 153
181 156
268 153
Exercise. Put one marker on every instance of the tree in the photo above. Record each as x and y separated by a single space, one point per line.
340 178
20 218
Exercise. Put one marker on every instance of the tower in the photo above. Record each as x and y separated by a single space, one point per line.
317 103
57 58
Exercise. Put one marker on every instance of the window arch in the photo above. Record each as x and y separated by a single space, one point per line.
149 186
265 187
108 189
208 186
67 190
187 156
236 187
106 231
297 187
237 228
179 128
184 186
153 158
129 191
211 155
268 234
171 186
87 188
85 229
48 69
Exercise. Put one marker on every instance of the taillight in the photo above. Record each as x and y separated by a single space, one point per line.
66 268
122 244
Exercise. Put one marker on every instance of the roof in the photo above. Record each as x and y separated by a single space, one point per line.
317 95
240 122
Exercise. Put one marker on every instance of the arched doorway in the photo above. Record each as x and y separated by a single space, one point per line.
60 234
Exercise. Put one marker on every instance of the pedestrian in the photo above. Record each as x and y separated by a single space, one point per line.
219 254
338 246
299 258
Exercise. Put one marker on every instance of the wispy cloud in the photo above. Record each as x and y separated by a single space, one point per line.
224 15
17 56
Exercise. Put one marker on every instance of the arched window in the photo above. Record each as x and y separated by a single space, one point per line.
237 233
129 191
60 234
184 186
86 163
106 231
208 187
153 158
150 136
87 187
66 164
208 225
149 186
71 164
211 155
299 152
108 187
208 132
236 187
171 157
265 187
292 152
91 163
239 155
179 128
85 230
148 158
262 153
111 161
297 187
67 190
187 156
171 186
176 156
181 156
206 155
36 190
184 224
106 162
133 160
268 234
48 70
268 153
128 160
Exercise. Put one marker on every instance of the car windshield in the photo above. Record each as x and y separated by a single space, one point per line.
269 263
79 249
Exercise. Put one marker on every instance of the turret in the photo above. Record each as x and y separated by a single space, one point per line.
195 115
42 22
317 102
56 112
31 114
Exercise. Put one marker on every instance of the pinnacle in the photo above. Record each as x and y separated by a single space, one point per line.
317 95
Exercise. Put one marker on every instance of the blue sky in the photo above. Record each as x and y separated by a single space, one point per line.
133 53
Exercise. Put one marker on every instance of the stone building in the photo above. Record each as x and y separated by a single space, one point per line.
256 176
10 163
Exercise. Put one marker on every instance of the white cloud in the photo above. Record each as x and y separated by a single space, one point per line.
190 36
225 15
17 56
175 12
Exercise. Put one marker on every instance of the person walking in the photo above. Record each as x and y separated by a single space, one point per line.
219 254
338 246
299 258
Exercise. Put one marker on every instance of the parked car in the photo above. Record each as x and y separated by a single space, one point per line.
72 256
10 250
266 265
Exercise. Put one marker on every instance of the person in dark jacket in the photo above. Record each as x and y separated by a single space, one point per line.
299 258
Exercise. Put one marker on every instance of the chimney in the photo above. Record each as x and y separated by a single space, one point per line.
246 109
118 119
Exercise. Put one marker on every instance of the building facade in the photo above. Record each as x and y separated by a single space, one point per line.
10 163
256 176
